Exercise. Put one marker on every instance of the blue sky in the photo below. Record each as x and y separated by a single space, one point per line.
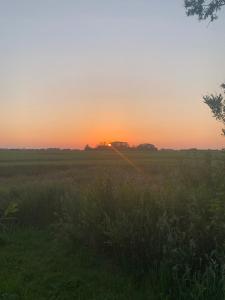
80 71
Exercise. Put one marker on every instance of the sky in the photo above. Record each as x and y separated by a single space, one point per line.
75 72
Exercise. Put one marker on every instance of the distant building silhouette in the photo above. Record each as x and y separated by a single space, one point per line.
102 146
120 145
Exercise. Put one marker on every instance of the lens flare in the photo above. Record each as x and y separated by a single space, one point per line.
125 158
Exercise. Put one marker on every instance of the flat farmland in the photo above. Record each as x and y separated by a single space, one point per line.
108 225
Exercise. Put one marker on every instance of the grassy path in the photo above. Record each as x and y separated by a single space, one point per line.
33 266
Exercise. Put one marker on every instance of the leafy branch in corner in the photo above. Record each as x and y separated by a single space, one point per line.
204 9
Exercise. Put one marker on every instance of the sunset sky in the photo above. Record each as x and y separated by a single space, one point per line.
75 72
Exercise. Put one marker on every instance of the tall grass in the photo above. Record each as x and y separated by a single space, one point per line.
147 226
168 224
36 204
175 231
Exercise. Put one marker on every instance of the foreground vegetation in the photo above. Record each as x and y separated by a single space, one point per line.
34 266
80 225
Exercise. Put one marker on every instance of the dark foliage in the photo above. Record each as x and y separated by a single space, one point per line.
217 105
204 9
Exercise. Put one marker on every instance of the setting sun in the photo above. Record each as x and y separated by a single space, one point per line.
67 81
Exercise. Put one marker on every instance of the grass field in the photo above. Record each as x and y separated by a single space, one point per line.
91 225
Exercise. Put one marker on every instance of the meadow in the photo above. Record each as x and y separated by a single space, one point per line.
91 225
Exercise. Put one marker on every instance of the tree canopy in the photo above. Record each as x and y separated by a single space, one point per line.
204 9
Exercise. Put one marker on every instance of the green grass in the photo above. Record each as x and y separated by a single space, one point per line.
115 233
34 267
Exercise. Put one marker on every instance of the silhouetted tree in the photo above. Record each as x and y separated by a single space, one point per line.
87 148
144 147
204 9
217 105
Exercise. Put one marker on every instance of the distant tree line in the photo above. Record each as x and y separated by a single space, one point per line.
117 145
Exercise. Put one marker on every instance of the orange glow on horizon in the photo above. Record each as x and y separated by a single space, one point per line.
67 82
64 131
